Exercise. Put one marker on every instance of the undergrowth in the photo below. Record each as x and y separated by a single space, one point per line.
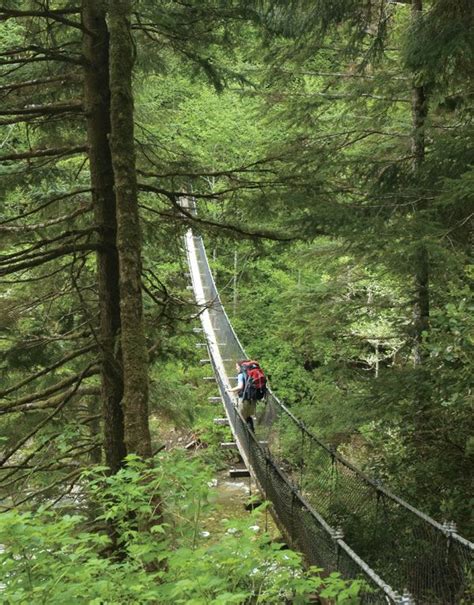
55 558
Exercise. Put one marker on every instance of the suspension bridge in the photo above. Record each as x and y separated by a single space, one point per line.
328 509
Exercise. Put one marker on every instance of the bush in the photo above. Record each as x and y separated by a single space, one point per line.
52 558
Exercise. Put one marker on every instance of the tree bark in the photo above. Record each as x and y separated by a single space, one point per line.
134 350
97 103
421 310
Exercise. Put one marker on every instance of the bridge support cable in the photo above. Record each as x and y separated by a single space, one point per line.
410 550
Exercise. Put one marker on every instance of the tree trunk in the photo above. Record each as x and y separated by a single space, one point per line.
134 351
97 104
421 311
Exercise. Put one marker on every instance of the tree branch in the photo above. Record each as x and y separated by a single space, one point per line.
74 474
41 396
7 13
29 253
252 167
51 108
40 82
54 14
31 455
40 425
235 229
51 56
41 153
54 366
55 221
58 198
46 257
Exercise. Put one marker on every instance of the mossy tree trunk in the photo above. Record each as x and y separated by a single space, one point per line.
134 351
422 417
421 257
97 103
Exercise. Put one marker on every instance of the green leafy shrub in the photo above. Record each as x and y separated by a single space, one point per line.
57 559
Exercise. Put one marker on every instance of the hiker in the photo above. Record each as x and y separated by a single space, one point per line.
251 386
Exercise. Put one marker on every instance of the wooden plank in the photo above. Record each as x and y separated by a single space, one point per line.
233 444
238 472
215 399
221 421
228 445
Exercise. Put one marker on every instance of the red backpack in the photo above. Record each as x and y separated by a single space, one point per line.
255 381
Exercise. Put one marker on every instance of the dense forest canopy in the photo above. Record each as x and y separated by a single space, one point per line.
329 148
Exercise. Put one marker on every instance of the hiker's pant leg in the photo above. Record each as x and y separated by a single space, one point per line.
248 410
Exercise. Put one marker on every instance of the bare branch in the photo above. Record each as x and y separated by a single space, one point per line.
32 454
66 359
41 424
30 253
42 57
42 396
246 168
7 13
46 257
51 402
34 113
55 221
74 474
41 277
62 79
55 465
41 153
185 215
58 198
51 108
53 14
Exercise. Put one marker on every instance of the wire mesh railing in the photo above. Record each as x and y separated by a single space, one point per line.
300 475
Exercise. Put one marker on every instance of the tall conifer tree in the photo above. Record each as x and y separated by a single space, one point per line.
134 351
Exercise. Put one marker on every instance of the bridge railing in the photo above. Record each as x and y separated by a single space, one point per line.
407 548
